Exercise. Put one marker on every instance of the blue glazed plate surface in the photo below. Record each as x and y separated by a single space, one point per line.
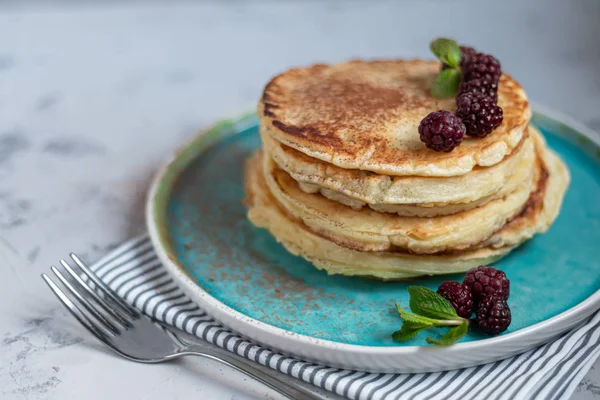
197 213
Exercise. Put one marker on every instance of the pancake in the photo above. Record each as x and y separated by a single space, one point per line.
357 188
541 209
365 115
408 195
537 215
369 230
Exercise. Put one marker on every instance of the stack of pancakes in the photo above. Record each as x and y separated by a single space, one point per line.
344 181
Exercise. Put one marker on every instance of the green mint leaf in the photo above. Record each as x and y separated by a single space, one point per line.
446 83
409 317
451 336
415 323
447 51
409 330
412 324
428 303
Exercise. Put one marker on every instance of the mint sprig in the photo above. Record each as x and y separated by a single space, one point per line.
452 335
447 81
430 310
426 302
447 51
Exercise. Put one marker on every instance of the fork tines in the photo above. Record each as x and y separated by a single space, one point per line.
104 316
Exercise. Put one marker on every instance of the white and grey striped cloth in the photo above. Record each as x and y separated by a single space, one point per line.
549 372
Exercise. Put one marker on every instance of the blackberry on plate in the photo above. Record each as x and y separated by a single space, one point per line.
481 66
480 114
481 86
459 295
484 281
441 131
493 314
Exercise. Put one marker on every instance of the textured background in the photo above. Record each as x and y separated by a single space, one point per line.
95 94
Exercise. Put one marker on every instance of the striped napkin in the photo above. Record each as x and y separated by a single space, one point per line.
551 371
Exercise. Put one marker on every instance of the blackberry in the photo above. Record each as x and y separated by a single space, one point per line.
481 66
459 295
484 281
482 86
480 114
493 314
441 131
466 53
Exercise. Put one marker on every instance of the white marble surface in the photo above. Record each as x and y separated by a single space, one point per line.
93 96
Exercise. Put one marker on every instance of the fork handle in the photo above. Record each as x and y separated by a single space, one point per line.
245 367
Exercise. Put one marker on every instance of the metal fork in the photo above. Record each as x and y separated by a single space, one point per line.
137 337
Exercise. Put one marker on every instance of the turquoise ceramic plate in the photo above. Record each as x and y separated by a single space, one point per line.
246 280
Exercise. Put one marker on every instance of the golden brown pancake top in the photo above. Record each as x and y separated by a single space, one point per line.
365 115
